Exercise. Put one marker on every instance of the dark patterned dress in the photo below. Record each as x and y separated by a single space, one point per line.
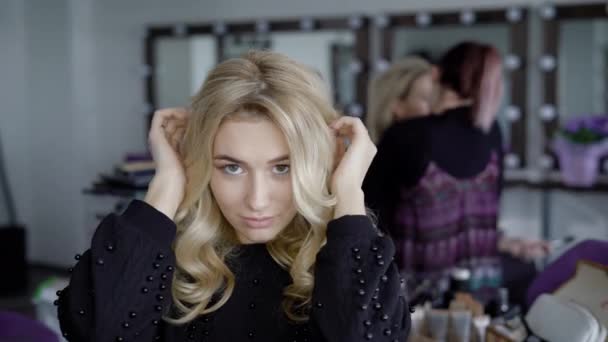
435 185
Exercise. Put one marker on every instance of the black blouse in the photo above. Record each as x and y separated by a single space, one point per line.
407 147
121 286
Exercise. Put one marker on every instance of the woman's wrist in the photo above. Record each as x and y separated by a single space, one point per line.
351 202
165 194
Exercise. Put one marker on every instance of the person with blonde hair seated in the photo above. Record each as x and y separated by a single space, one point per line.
253 228
404 91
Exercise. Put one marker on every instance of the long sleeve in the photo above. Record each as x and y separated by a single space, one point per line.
358 293
121 286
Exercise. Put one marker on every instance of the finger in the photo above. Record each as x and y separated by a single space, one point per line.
157 123
170 127
174 113
351 127
163 116
338 151
348 121
341 146
177 137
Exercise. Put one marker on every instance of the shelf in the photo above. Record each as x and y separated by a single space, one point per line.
555 185
538 180
105 190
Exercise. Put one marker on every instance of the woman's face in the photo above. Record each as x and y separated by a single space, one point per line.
419 101
251 178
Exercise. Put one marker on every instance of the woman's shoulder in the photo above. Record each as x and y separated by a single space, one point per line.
406 144
495 135
406 130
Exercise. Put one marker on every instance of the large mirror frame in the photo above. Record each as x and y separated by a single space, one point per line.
553 17
515 62
359 25
153 36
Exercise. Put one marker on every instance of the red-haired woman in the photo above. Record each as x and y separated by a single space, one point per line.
435 182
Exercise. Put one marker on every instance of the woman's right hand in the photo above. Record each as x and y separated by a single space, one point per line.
167 188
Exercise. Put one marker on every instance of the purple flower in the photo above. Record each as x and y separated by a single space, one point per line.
573 125
586 129
598 124
595 123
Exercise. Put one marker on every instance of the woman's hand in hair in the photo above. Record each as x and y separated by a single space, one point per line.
167 188
354 154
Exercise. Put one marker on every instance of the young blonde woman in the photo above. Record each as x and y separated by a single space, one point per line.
254 227
404 91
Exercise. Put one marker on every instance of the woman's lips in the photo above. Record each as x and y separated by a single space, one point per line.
258 222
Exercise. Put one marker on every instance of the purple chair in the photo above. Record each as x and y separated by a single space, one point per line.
15 327
562 269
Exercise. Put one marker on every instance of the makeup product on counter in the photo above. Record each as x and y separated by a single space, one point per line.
438 324
480 324
460 326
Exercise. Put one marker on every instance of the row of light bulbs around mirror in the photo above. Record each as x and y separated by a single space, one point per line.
423 19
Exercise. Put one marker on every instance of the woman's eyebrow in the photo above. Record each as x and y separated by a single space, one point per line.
225 157
278 159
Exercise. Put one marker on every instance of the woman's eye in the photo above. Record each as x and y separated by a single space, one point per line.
281 169
232 169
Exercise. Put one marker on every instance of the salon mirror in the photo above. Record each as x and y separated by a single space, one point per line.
582 76
430 35
179 57
330 53
181 67
574 66
432 42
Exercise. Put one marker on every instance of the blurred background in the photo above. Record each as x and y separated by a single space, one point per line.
79 80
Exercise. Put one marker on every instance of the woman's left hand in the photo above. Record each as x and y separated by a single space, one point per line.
352 162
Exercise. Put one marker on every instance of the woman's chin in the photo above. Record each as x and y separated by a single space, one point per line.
251 236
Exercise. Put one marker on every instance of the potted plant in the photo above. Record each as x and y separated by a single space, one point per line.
580 144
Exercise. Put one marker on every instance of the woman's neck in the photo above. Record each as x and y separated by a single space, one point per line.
449 99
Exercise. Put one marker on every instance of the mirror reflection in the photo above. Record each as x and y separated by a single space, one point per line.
183 63
583 72
181 67
430 43
329 53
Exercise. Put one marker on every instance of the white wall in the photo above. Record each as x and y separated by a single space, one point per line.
36 121
57 150
14 118
74 102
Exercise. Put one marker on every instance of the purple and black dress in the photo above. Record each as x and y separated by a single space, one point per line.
435 185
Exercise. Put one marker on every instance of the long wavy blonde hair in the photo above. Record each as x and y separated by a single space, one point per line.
294 98
391 85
